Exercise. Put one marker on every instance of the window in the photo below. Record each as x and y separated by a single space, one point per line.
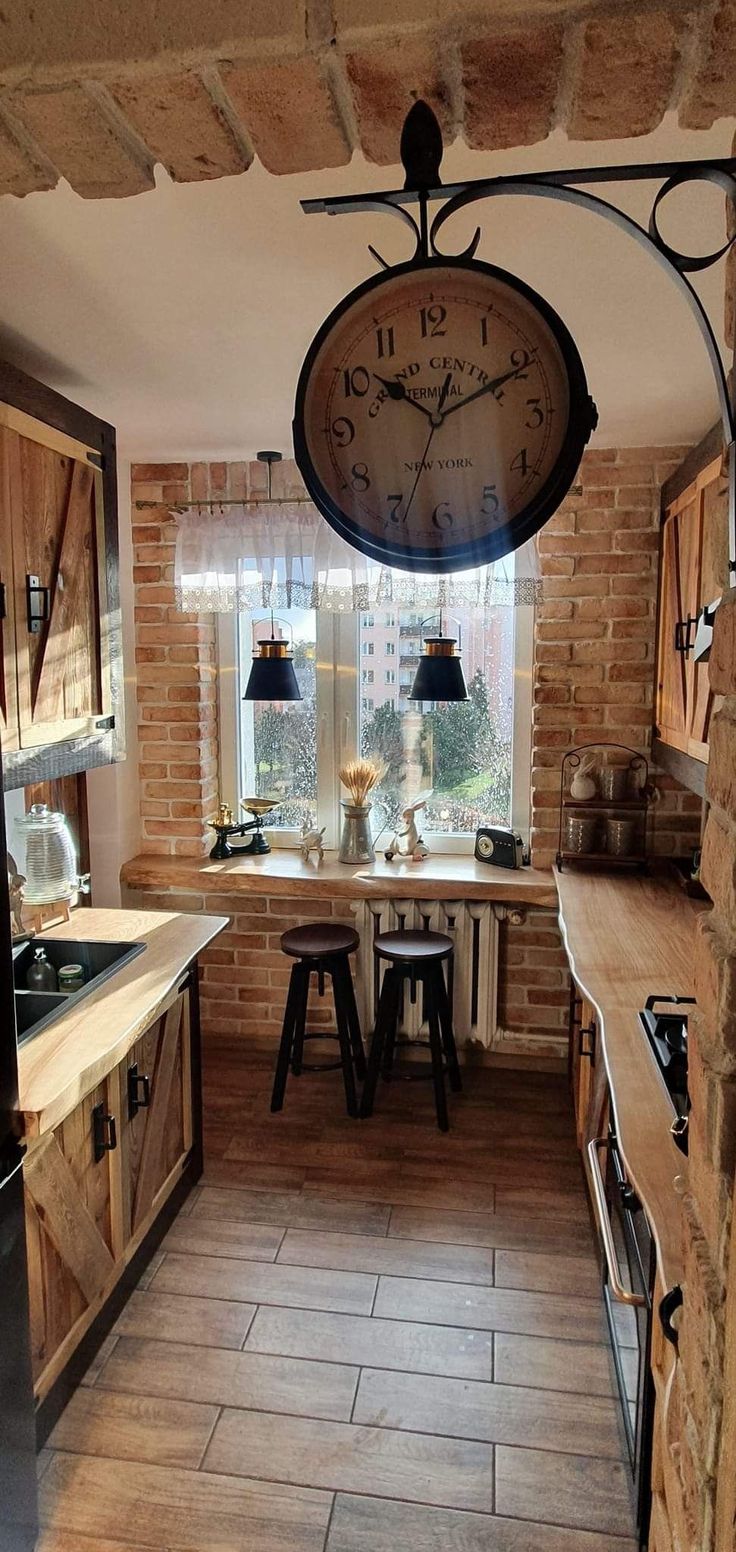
473 757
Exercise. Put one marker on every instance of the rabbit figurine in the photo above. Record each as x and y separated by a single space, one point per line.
408 842
583 784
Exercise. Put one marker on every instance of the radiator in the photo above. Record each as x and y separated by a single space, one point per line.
473 976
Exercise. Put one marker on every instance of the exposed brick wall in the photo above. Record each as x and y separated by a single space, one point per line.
596 636
534 984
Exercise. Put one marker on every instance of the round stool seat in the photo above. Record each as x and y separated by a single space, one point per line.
317 940
412 947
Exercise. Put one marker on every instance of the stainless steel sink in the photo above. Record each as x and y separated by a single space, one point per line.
34 1010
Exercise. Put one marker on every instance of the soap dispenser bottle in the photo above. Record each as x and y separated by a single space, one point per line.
41 976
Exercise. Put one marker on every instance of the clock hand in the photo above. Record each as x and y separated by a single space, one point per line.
497 382
396 390
436 421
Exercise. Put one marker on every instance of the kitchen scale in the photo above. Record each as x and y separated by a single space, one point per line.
224 828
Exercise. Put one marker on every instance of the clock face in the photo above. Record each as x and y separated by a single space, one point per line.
441 414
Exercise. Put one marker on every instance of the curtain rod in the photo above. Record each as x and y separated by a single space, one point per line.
243 501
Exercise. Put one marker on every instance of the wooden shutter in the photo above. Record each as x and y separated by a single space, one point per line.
8 684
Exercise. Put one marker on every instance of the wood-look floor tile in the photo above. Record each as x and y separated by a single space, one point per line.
570 1490
583 1368
388 1344
135 1427
371 1253
198 1237
376 1525
256 1177
384 1462
173 1510
43 1459
146 1277
71 1541
490 1309
543 1202
264 1282
177 1317
545 1272
409 1190
495 1230
97 1364
498 1414
290 1210
225 1378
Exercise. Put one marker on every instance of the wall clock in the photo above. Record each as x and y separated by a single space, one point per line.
441 414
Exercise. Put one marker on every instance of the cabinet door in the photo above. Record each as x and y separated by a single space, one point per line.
694 573
70 1232
54 491
8 688
157 1130
583 1055
671 706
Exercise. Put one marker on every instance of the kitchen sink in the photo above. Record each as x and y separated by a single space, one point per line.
35 1010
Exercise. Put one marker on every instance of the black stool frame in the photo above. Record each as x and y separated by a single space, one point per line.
294 1031
441 1036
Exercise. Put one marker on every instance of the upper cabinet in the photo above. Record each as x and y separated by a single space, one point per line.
60 651
694 572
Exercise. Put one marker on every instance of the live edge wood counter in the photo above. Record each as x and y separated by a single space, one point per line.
282 872
65 1062
628 938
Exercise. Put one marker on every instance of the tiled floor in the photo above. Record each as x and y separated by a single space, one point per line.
358 1337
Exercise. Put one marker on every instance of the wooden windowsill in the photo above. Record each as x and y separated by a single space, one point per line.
282 872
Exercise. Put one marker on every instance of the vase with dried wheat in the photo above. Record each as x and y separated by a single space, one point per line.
359 777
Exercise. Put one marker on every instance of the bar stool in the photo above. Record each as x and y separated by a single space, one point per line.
322 948
417 956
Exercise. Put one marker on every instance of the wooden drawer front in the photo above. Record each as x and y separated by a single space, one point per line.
69 1227
157 1135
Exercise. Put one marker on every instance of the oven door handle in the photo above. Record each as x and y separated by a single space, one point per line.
618 1290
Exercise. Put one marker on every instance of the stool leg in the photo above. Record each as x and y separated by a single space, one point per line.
287 1036
300 1018
388 1010
343 1032
435 1043
351 1008
448 1034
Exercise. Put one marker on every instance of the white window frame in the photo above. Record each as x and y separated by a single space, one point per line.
339 687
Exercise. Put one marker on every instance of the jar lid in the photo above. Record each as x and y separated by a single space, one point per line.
70 970
40 817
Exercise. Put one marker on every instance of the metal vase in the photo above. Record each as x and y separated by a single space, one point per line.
355 842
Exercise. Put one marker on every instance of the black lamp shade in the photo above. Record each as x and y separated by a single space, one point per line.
439 675
272 676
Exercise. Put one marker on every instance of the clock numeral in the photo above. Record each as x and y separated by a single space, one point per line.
442 516
489 504
356 382
521 360
520 462
343 431
484 331
432 319
385 342
359 476
536 414
394 516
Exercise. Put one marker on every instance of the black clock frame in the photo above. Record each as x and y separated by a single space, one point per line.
500 540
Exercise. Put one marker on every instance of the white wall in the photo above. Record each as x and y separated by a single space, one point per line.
112 791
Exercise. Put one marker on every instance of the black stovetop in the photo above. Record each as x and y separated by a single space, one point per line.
667 1036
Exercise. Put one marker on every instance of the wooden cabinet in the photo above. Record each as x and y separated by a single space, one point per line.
155 1086
96 1184
694 572
583 1042
56 657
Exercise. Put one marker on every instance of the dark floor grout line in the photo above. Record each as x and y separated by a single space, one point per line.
218 1414
248 1329
546 1247
355 1394
328 1527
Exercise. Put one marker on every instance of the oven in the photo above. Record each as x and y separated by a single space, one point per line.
628 1269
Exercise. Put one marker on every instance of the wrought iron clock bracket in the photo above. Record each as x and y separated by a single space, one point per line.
421 155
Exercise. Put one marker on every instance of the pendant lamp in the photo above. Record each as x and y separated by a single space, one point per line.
272 676
439 675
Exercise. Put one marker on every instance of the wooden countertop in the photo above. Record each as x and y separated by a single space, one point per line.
627 938
282 872
66 1061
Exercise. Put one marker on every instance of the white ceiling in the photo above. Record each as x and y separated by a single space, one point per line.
182 315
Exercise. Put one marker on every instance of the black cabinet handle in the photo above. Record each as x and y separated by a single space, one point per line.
3 602
588 1050
104 1132
683 628
38 603
672 1301
139 1090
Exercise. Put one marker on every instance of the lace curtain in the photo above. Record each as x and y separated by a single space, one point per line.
284 555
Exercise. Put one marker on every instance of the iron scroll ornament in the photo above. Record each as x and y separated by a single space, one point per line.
421 155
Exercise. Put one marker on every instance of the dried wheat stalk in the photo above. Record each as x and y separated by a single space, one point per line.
360 777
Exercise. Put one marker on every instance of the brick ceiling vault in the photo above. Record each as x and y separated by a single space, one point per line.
98 92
